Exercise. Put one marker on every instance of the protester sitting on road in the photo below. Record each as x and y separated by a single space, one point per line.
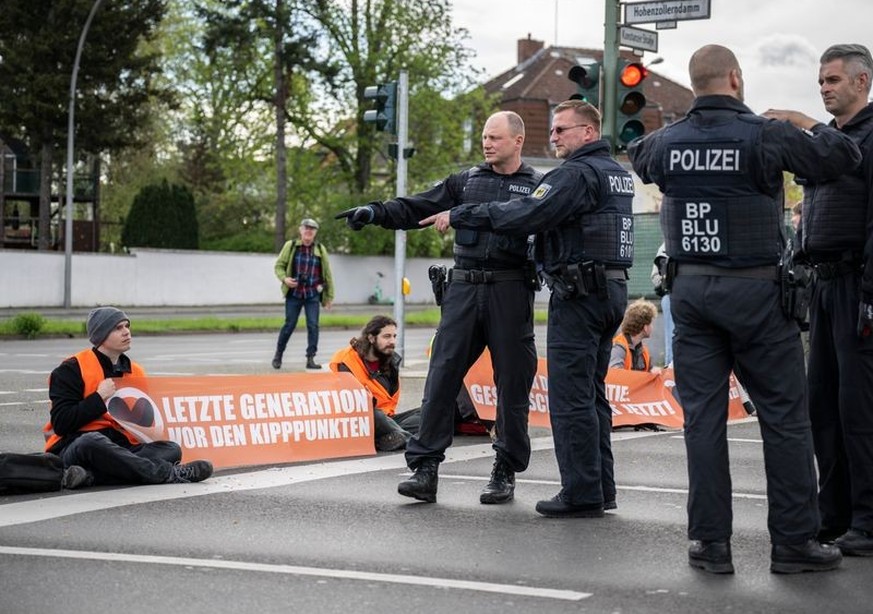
371 358
628 349
83 432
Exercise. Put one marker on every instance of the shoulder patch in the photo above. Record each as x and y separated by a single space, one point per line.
541 191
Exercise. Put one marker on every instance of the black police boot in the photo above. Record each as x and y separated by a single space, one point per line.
711 556
501 487
277 360
557 507
856 542
808 556
311 364
423 483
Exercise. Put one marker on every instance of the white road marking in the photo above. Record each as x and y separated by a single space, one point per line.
295 570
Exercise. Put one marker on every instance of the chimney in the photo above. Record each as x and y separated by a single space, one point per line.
527 47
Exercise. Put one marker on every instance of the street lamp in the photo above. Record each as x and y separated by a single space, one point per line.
68 218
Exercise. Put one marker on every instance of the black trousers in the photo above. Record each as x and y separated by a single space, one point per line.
475 316
722 321
580 333
146 463
841 405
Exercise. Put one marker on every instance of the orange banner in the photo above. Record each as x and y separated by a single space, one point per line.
238 420
636 397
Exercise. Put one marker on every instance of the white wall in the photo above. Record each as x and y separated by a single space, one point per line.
156 277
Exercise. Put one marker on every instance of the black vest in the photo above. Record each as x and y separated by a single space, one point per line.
714 210
480 249
834 217
604 235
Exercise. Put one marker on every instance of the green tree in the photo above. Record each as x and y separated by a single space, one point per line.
162 215
38 41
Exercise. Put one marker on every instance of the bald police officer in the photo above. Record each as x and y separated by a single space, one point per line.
583 212
720 169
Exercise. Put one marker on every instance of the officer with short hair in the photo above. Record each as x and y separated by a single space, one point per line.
837 239
583 212
720 170
488 303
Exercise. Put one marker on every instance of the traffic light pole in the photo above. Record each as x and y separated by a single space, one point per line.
400 235
610 68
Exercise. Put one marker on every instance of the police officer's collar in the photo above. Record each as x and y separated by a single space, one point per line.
861 116
719 102
524 169
594 148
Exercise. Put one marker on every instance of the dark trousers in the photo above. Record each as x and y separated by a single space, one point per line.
580 332
841 405
474 316
147 463
293 305
721 321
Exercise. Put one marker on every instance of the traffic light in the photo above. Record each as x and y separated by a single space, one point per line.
630 103
587 78
385 113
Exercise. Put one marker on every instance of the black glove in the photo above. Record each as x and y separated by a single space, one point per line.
358 217
865 317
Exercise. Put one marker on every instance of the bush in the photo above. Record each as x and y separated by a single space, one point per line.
28 324
162 215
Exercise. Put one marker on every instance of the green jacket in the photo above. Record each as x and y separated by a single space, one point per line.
285 263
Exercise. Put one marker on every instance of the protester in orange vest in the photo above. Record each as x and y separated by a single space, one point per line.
628 350
374 363
83 432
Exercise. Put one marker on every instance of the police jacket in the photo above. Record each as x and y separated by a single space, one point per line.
385 387
581 210
720 169
838 214
77 407
472 249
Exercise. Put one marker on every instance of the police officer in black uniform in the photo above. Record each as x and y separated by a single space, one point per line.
488 302
583 211
837 239
720 169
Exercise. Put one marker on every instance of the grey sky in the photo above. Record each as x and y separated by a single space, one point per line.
778 42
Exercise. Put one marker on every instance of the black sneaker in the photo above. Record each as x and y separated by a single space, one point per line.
808 556
501 486
311 364
711 556
391 442
195 471
855 543
75 477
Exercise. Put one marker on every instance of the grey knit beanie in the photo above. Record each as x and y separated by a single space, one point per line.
101 322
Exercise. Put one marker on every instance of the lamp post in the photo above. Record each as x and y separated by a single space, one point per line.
68 215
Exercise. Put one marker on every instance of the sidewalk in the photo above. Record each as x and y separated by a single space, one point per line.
218 311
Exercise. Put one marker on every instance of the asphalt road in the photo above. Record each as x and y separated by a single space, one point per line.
335 537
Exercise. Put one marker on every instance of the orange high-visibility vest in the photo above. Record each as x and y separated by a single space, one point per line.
92 375
350 358
620 339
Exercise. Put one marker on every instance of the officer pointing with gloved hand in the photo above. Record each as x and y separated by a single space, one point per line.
488 303
583 214
720 170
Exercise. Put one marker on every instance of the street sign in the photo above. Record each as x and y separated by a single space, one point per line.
666 25
666 10
636 38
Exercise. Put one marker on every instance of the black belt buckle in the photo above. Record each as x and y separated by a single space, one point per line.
478 276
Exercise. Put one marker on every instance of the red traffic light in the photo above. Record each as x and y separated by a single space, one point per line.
633 74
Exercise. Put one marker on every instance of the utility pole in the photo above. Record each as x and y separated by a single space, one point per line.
610 68
400 235
68 211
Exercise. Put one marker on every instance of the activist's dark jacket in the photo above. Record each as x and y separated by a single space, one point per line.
76 406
